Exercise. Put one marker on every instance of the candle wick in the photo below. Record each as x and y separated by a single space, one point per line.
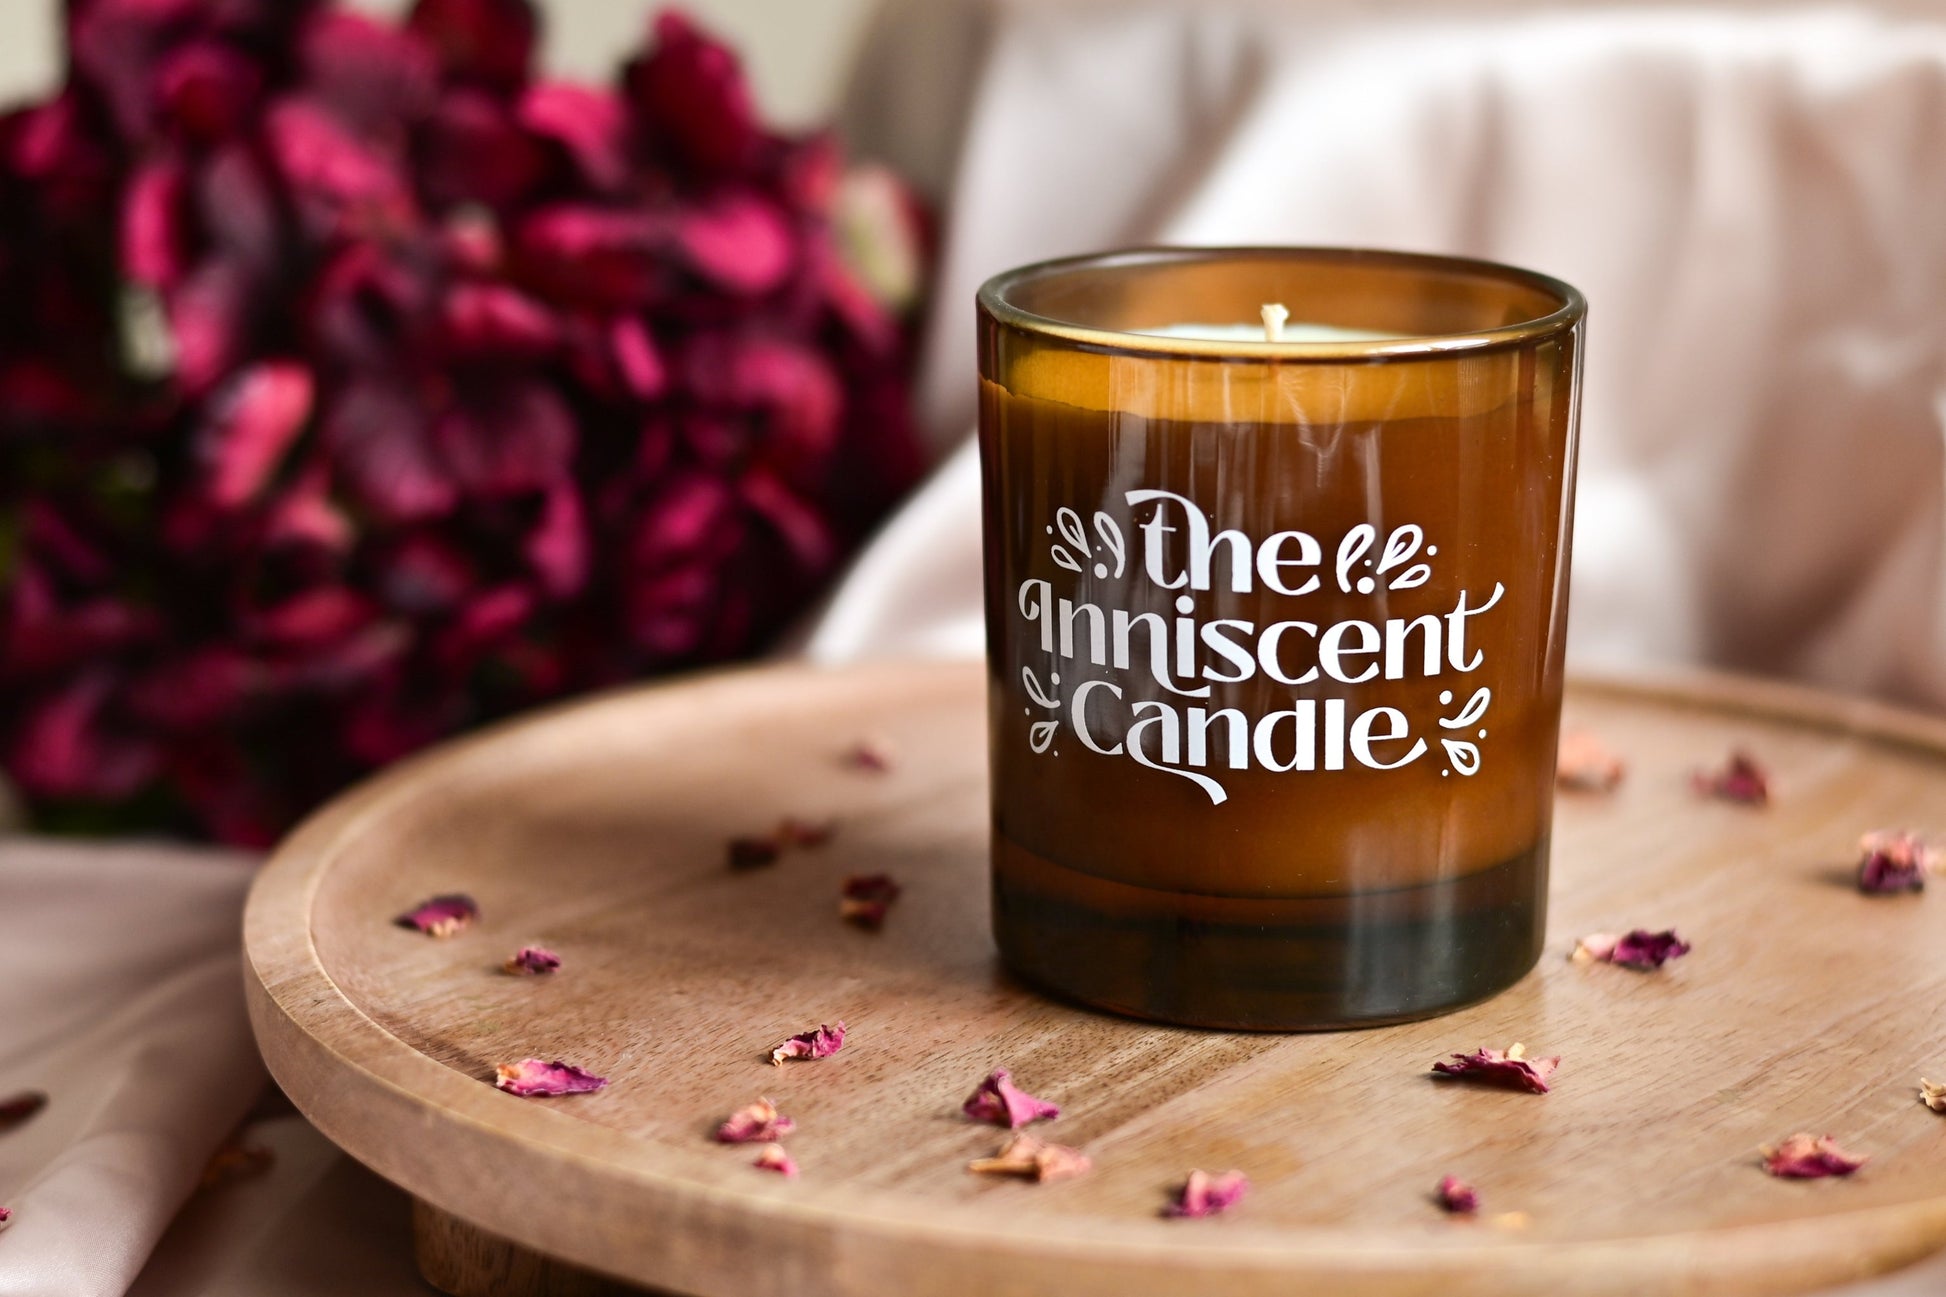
1274 316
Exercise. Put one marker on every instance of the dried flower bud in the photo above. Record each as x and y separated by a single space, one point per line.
236 1161
536 1078
442 916
998 1100
1741 779
755 1123
866 898
532 961
1585 765
1457 1196
17 1110
1892 860
1203 1194
6 1215
871 754
772 1157
1932 1094
1641 949
1512 1069
820 1042
1033 1159
1809 1157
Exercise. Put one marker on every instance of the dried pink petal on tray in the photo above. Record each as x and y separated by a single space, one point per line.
755 1123
1640 949
1892 860
537 1078
1033 1159
998 1100
1809 1157
1585 765
1457 1196
819 1042
442 916
19 1109
6 1214
1742 779
1512 1069
1203 1194
871 754
532 961
772 1157
864 899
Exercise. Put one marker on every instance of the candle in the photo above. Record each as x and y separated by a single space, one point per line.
1275 628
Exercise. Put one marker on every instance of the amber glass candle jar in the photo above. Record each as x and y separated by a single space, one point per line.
1275 627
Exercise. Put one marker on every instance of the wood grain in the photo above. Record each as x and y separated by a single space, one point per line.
599 830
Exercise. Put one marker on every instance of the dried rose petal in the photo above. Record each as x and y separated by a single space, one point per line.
6 1214
17 1110
442 916
772 1157
998 1100
822 1042
1513 1069
1892 860
1741 779
754 853
1809 1157
533 1077
532 961
865 899
755 1123
1203 1194
1033 1159
1932 1094
236 1161
793 832
870 754
1640 949
1585 765
1457 1196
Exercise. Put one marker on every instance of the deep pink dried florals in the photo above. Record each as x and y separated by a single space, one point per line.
1892 860
236 1161
1640 949
360 384
1741 779
537 1078
6 1215
532 961
872 755
772 1157
757 850
998 1100
1457 1196
865 898
819 1042
1033 1159
1512 1069
1584 764
1809 1157
19 1109
1203 1194
755 1123
442 916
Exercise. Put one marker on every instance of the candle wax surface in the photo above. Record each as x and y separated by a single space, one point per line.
1294 331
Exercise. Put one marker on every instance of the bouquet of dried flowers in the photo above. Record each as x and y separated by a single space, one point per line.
358 385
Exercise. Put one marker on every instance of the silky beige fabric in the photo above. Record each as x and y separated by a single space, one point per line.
1751 197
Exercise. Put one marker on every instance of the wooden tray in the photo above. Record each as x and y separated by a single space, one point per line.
600 829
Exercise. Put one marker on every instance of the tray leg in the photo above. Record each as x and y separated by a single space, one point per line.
464 1261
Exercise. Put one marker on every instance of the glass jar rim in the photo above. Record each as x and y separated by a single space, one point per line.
995 298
